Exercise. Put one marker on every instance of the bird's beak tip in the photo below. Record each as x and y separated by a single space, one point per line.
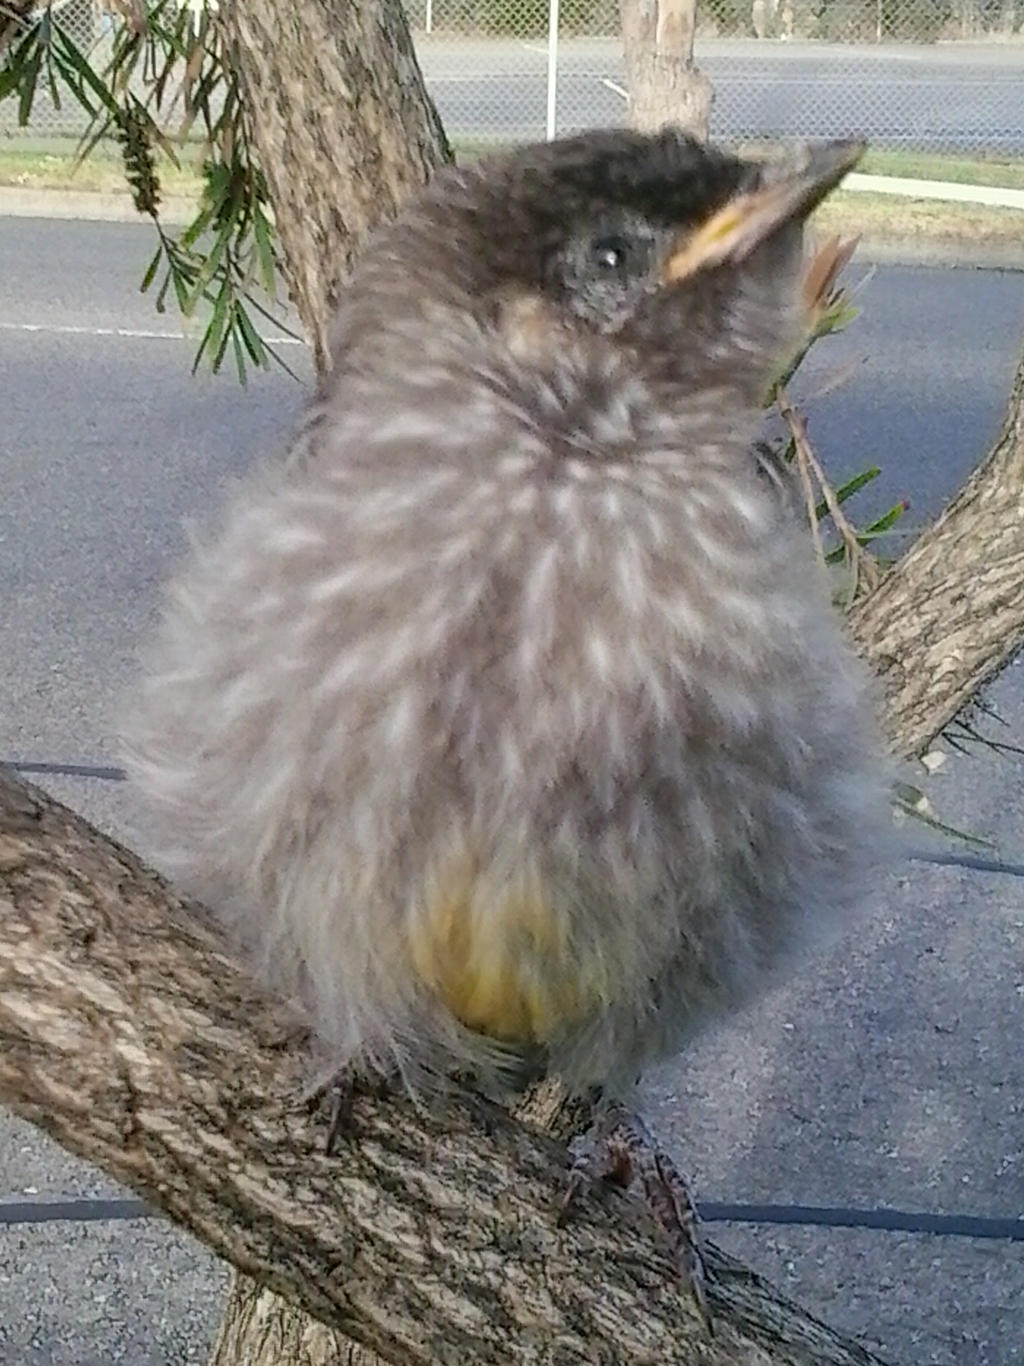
789 188
818 167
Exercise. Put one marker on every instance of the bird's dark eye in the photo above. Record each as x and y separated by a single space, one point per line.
609 253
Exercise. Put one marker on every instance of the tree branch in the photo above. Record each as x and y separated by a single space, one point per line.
129 1035
950 614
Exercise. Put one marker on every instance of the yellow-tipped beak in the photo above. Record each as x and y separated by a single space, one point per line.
789 189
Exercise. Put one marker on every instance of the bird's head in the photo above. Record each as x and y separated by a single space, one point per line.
684 254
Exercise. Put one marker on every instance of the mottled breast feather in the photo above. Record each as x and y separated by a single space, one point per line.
511 713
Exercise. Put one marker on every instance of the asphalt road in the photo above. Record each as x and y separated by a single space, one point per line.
949 97
940 98
889 1074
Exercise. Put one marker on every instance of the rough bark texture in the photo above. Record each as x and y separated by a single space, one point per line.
664 84
950 614
344 126
129 1035
260 1328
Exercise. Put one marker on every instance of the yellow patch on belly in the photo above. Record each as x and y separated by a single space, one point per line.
498 954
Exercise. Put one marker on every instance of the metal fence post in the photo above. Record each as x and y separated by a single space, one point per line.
552 67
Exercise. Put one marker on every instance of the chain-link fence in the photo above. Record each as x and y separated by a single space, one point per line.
925 75
936 75
87 21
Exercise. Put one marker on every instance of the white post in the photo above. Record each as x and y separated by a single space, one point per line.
552 65
428 23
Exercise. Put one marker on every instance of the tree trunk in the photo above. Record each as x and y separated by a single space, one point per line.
344 127
260 1328
950 614
429 1237
664 84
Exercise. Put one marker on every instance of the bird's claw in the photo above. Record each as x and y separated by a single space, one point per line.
338 1093
620 1148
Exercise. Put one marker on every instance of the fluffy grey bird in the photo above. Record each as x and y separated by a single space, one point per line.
509 721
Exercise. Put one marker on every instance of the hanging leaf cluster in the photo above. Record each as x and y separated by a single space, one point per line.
160 86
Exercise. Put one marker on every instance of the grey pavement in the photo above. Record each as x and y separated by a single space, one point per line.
942 97
890 1072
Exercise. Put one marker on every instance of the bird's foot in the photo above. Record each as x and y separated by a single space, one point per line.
336 1095
620 1148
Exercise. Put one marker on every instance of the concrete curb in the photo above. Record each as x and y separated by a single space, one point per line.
952 191
90 206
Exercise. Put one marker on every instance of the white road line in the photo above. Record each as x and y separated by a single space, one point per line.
615 89
140 333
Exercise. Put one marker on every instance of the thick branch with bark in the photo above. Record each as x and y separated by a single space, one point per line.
343 140
950 614
128 1034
